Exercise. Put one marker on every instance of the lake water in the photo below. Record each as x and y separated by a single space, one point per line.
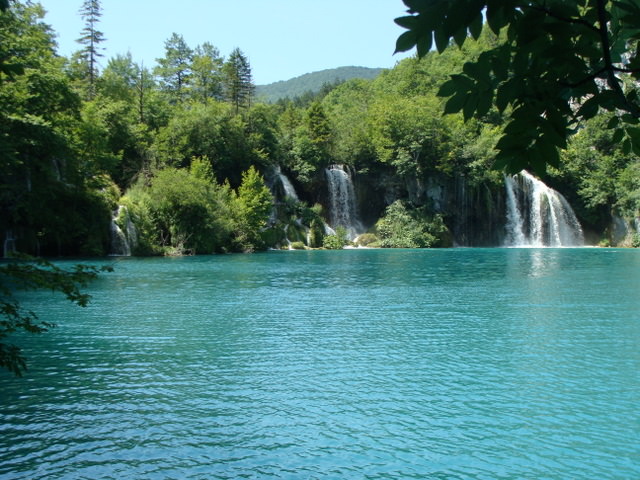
377 364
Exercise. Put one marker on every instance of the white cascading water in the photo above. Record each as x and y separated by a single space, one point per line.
342 201
287 186
9 246
121 242
538 216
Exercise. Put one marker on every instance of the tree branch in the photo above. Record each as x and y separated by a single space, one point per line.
576 21
612 80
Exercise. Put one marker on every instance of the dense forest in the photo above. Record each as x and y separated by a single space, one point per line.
182 158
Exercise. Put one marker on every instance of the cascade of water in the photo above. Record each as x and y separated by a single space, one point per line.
121 241
342 201
280 184
9 246
539 216
515 223
289 190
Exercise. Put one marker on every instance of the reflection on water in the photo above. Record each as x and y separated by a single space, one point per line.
457 364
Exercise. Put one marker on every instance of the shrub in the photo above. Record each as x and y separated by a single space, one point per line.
367 239
336 241
298 246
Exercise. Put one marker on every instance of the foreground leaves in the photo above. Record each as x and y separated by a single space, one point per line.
557 63
28 274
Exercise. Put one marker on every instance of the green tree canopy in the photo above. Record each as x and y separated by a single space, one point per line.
558 63
174 69
239 87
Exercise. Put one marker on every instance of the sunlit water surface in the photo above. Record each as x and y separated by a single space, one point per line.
438 364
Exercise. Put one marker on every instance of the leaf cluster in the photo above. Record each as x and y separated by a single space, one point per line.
558 62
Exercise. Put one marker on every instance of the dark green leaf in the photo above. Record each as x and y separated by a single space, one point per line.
626 146
613 123
406 41
634 134
442 39
449 87
470 105
455 103
424 44
618 135
495 17
485 101
409 22
460 36
475 28
589 109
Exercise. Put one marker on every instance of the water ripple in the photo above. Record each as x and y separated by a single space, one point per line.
461 364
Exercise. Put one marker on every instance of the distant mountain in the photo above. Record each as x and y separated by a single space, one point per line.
312 82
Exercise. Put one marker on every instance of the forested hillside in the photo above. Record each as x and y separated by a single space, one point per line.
188 161
312 83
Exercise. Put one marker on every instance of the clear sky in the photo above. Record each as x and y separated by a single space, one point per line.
282 38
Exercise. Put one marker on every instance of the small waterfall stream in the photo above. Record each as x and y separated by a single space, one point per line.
9 246
539 216
343 210
287 186
122 241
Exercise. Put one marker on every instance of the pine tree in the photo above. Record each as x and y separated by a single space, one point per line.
239 86
174 69
91 38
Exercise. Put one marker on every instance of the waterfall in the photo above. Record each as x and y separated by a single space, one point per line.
280 185
287 186
9 246
538 216
342 201
122 241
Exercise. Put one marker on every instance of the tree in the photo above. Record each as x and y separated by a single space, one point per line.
557 63
206 68
174 69
238 81
254 203
91 37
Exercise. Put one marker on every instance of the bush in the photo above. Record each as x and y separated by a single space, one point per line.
298 246
635 240
367 240
336 241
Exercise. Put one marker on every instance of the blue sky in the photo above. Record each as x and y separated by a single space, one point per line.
282 38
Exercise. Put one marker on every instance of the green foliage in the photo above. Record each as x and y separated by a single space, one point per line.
401 228
635 240
368 240
553 57
254 203
298 245
206 72
238 82
174 69
34 274
189 214
336 241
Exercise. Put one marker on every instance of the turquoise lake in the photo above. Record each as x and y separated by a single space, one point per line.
355 364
